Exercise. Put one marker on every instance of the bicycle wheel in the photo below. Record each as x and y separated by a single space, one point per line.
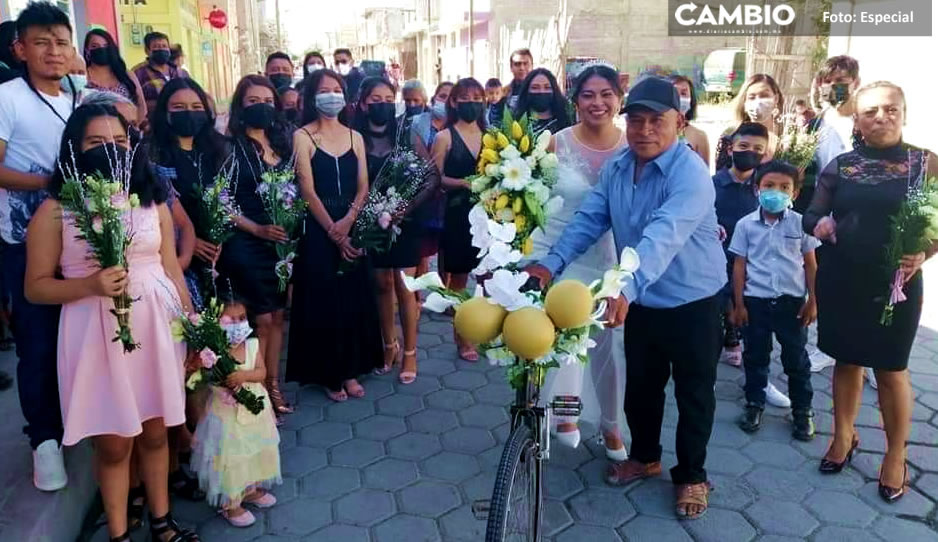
515 511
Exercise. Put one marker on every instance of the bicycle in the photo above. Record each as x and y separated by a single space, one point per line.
514 512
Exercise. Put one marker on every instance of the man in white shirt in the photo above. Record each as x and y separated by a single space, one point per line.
33 113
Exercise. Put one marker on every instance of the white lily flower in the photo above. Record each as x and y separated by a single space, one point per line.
504 288
543 141
479 184
510 153
516 174
629 260
423 282
612 283
502 232
479 228
437 303
498 256
553 205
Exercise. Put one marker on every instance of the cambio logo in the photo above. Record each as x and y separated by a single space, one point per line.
743 14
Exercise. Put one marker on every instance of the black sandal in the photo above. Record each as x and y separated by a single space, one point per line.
165 525
181 485
136 500
122 538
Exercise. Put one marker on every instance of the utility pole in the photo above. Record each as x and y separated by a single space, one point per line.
472 56
279 35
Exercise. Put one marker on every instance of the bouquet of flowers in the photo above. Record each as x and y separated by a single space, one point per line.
98 207
797 144
530 331
402 178
286 209
217 207
914 230
511 191
203 334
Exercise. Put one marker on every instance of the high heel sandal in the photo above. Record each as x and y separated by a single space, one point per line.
893 494
136 500
166 525
466 350
832 467
408 377
395 347
281 406
122 538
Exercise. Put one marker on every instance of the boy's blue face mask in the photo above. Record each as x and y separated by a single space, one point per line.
774 201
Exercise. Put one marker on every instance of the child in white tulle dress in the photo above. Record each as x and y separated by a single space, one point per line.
236 453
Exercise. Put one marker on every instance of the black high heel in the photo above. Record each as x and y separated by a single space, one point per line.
893 494
167 525
122 538
136 500
832 467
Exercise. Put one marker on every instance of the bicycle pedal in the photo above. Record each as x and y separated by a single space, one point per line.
566 405
481 509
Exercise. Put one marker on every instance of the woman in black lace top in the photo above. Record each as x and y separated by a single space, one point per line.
856 196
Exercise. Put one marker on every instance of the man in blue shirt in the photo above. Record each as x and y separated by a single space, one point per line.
657 196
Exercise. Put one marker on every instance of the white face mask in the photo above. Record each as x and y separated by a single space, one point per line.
343 68
330 104
439 109
759 108
237 332
685 104
314 67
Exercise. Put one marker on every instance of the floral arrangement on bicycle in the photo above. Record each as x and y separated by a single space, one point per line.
280 195
512 191
99 208
210 356
529 330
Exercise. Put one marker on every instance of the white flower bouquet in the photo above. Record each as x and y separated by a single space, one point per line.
286 209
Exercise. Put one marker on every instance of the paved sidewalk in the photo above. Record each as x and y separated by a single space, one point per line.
405 464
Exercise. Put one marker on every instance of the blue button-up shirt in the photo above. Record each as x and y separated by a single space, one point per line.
774 253
667 216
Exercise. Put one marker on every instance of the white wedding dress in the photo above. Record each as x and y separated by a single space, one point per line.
577 174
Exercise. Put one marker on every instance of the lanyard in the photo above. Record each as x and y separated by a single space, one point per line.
45 101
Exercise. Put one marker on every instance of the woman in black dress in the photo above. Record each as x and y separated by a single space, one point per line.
857 194
375 120
456 151
543 102
261 143
334 330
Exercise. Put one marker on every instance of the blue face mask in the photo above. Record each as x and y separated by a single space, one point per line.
774 201
80 82
438 109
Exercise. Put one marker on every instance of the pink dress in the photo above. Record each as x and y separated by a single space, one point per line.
104 391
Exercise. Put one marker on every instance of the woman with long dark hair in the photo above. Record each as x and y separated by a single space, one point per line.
261 144
108 71
121 400
542 100
456 153
335 335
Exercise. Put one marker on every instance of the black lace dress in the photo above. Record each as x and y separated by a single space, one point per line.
862 190
334 329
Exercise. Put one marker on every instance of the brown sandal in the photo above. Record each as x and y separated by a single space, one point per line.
692 494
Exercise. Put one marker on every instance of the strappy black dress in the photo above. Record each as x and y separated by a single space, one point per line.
459 256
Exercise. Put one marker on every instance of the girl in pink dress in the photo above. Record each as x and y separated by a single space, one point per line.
120 400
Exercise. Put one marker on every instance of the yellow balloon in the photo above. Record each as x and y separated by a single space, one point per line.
479 321
569 304
528 333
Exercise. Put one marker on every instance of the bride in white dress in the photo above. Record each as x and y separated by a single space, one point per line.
582 150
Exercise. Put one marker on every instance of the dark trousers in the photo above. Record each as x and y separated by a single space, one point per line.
35 329
683 342
778 316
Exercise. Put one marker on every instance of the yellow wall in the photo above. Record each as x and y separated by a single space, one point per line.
180 20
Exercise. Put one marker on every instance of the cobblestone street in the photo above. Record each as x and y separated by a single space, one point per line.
406 463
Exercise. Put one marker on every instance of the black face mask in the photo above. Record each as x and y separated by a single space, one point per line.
541 101
746 160
187 123
159 57
840 93
100 159
280 80
260 115
469 111
413 110
100 56
381 113
291 114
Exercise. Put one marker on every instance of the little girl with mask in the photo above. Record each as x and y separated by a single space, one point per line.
236 453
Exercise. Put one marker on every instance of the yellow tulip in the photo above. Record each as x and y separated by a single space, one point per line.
489 142
502 202
517 205
528 247
516 131
489 155
525 144
502 141
520 221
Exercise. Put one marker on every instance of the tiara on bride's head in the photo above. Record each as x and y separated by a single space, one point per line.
596 62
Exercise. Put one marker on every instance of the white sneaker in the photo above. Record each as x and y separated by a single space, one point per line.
48 467
871 376
776 398
820 361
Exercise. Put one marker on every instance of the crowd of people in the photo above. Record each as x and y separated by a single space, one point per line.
762 248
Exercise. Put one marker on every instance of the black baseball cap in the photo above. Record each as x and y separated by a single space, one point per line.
655 93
